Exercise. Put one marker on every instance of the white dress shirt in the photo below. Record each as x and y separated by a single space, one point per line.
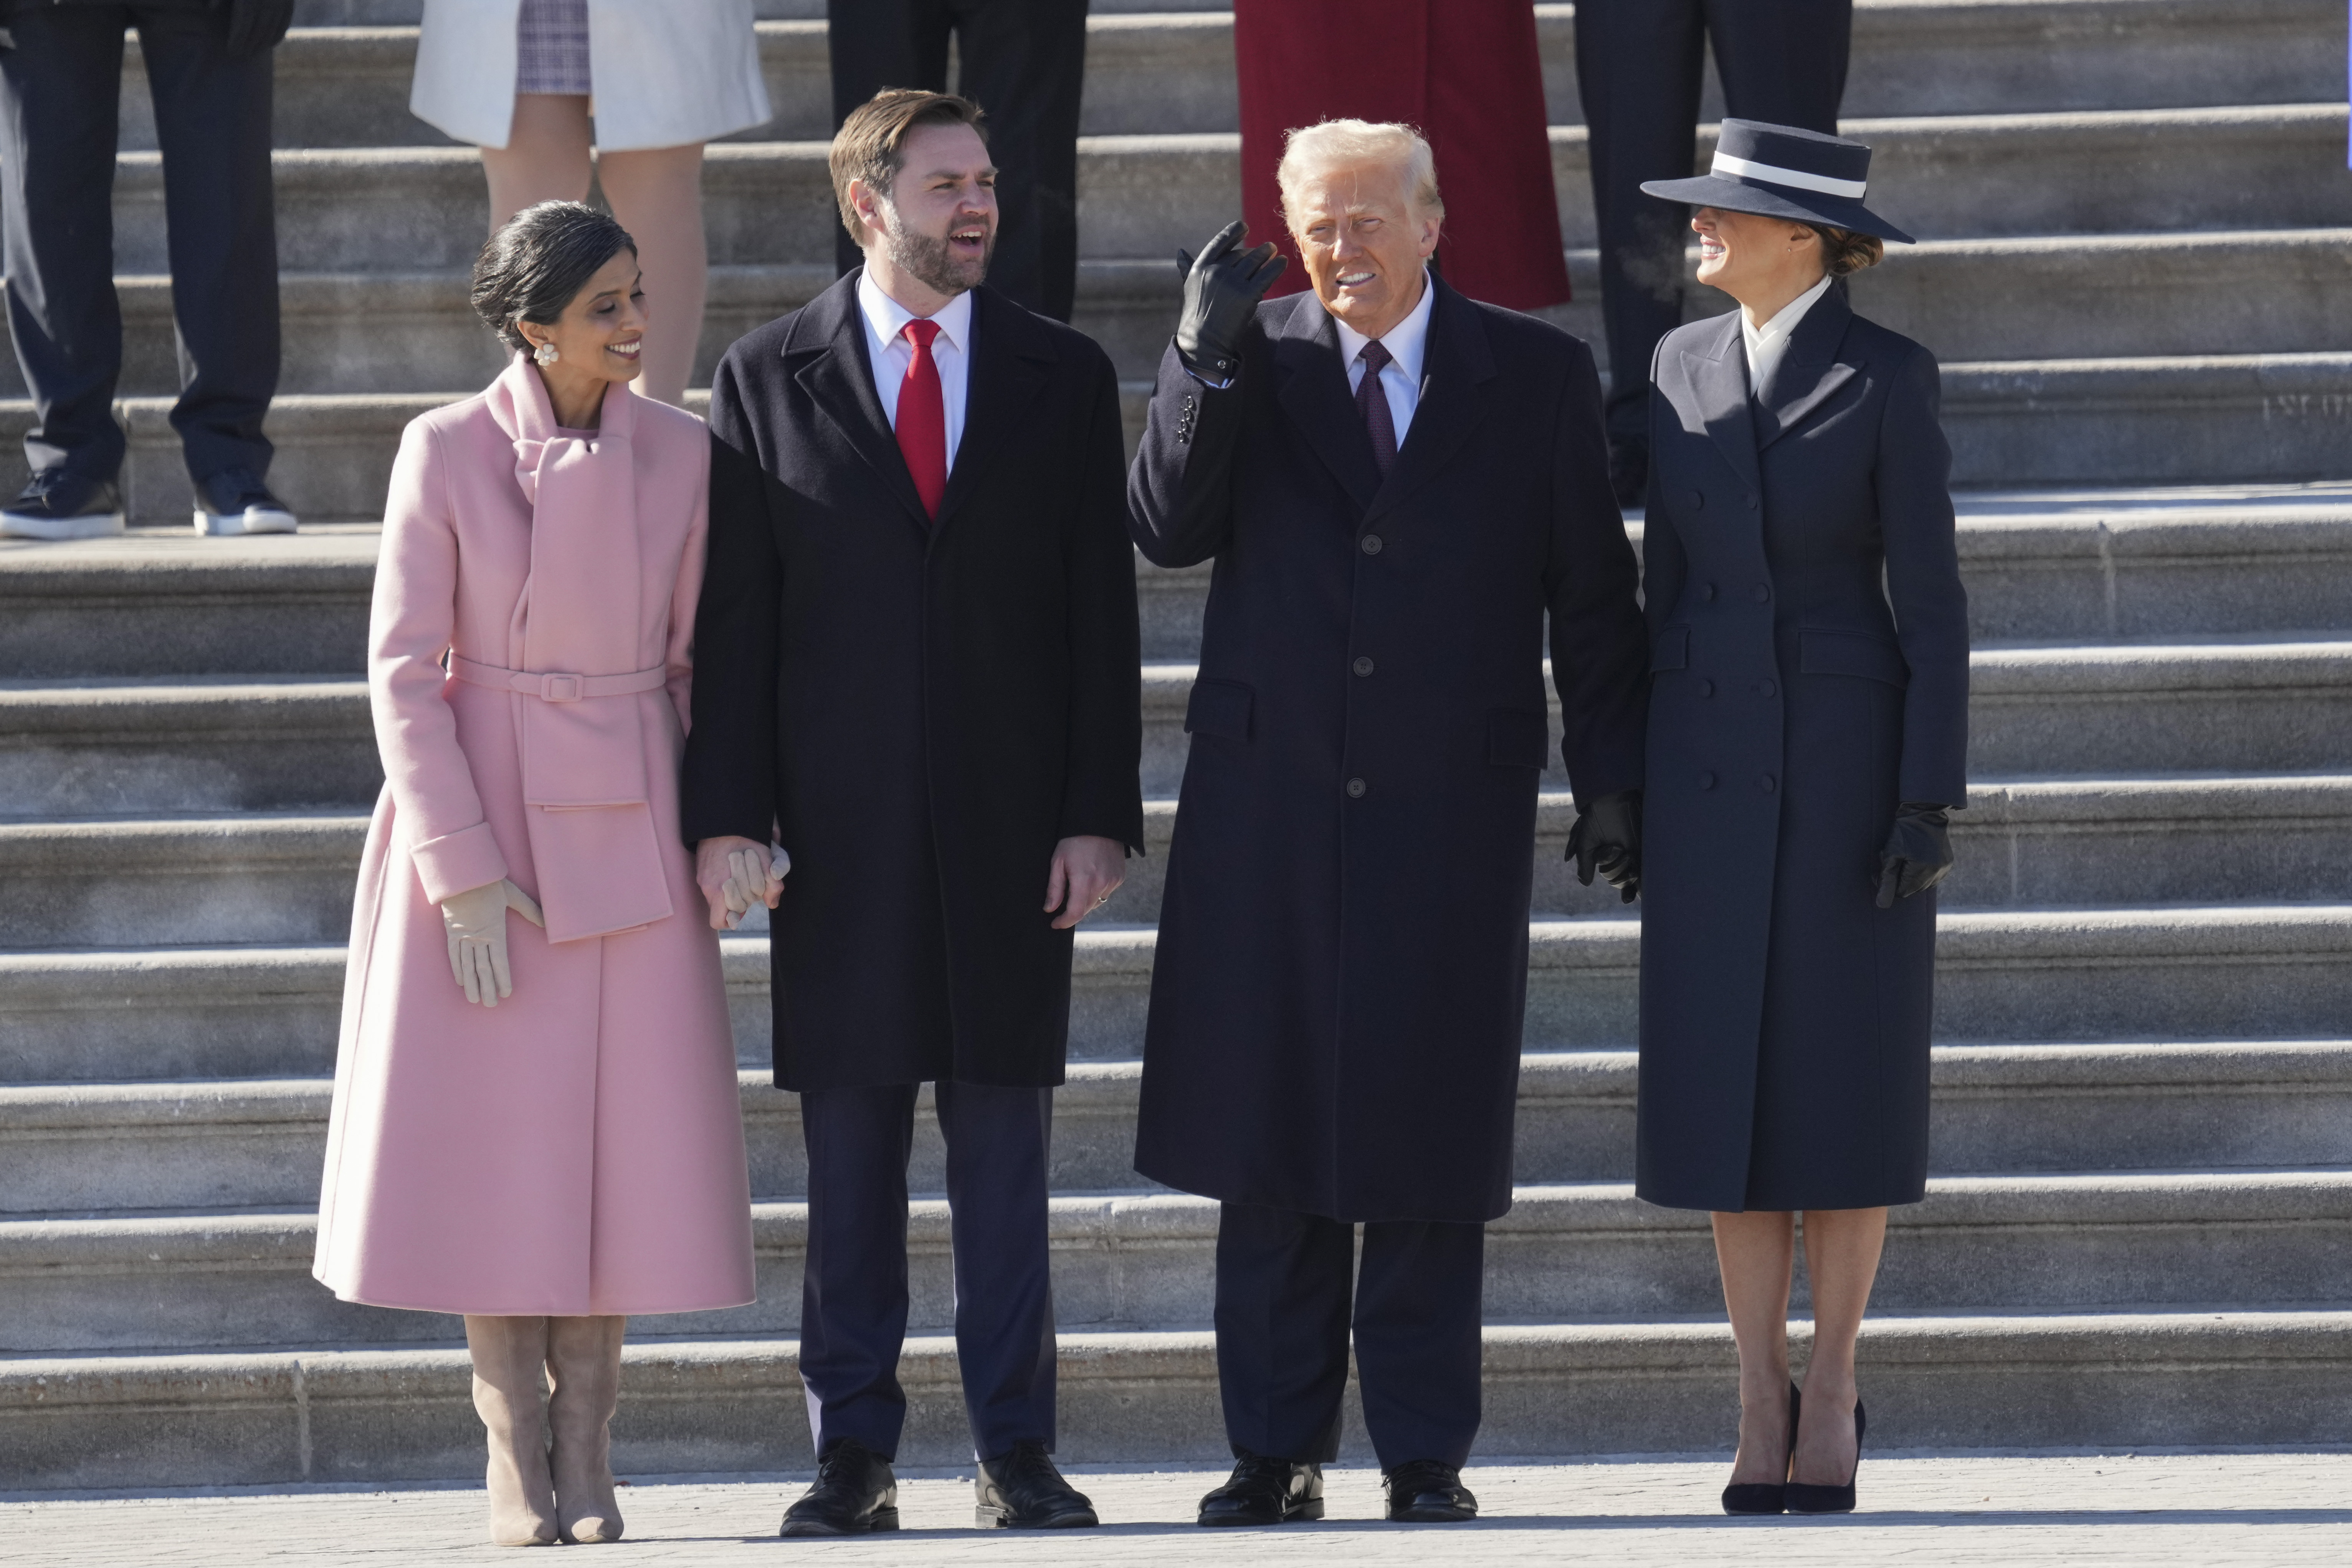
890 353
1407 343
1769 343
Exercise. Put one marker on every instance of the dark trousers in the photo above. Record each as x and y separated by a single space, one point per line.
853 1294
1022 62
1283 1319
59 88
1638 67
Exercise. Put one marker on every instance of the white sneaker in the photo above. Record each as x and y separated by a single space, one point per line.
235 502
54 507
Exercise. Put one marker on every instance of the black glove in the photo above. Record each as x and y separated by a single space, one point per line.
1221 294
1607 838
256 25
1919 852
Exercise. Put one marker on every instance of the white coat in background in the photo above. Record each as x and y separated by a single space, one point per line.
665 72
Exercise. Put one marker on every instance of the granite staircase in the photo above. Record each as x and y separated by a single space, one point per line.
2138 245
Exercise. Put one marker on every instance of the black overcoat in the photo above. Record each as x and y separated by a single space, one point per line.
1810 671
1341 974
924 709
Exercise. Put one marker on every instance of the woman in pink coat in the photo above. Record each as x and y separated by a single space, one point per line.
536 1120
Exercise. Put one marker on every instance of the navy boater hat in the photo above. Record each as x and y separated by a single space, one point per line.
1782 172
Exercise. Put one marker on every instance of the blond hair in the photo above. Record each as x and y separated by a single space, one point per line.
871 144
1334 143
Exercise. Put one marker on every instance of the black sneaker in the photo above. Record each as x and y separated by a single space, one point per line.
854 1494
235 501
55 504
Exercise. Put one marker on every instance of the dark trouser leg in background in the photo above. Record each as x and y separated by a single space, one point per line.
854 1289
212 120
1024 61
997 1149
1419 1294
1282 1330
59 93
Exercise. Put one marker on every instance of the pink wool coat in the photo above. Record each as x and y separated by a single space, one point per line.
578 1149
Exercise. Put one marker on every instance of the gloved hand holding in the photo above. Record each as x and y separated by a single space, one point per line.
735 873
1221 294
476 923
1607 838
1919 852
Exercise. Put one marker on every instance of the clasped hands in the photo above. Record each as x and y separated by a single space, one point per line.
735 873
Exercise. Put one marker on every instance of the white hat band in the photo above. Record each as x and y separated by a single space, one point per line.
1724 164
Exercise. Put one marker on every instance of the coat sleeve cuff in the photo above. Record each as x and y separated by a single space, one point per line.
458 861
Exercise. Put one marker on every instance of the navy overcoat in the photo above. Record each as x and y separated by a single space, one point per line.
1341 974
1810 671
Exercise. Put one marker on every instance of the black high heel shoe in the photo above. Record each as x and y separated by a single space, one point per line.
1764 1497
1801 1498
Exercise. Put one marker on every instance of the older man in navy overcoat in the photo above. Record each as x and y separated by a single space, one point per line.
1397 484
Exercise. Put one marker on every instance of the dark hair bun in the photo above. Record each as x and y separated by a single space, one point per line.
539 261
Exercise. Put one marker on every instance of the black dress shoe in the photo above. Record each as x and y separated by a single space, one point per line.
1805 1498
1424 1491
58 505
1266 1491
1765 1497
1023 1491
1629 470
854 1493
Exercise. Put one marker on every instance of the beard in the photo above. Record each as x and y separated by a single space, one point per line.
929 262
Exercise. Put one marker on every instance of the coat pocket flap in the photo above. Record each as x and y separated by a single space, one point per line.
1671 651
1220 708
1517 738
1851 653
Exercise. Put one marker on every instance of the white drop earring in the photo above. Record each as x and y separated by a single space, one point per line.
545 355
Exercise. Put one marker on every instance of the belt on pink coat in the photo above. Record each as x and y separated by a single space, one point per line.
555 687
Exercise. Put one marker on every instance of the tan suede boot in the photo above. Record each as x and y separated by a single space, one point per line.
584 1355
510 1394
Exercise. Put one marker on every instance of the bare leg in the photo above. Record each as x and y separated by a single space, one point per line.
584 1355
509 1394
1755 1252
657 194
1842 1248
545 158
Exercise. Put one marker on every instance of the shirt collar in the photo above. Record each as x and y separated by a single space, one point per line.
1406 341
1782 327
886 318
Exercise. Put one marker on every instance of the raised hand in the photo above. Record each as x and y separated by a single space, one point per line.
1222 290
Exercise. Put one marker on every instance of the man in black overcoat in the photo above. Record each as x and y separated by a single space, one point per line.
1397 485
916 666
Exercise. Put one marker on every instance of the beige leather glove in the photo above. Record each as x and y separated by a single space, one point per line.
754 878
476 923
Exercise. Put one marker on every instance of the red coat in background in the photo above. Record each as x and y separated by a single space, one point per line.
1465 73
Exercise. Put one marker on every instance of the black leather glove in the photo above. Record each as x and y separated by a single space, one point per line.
1919 852
256 25
1607 838
1221 294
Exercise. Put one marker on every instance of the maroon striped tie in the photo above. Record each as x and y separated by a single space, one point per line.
1373 405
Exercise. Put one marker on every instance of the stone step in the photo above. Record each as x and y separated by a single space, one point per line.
2235 971
2098 1381
287 878
1943 178
102 1149
1171 67
1591 1252
2098 295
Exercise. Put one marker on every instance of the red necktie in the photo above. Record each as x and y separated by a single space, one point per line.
923 418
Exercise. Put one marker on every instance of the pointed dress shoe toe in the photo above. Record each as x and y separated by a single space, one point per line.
854 1493
1806 1498
1424 1491
1765 1497
1265 1491
1024 1490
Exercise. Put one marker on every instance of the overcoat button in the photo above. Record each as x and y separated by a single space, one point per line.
1363 666
1707 781
1356 789
1765 689
1707 590
1766 782
1762 593
1707 689
1371 545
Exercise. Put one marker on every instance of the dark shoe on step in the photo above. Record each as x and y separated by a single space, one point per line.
1766 1497
1266 1491
235 502
1424 1491
854 1493
1023 1491
1804 1498
57 505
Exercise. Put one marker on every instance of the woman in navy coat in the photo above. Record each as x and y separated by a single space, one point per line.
1808 734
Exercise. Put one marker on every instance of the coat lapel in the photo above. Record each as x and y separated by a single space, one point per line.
828 351
1313 391
1010 361
1716 376
1808 372
1456 363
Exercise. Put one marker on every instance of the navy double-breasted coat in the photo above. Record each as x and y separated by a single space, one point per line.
1341 972
1808 673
